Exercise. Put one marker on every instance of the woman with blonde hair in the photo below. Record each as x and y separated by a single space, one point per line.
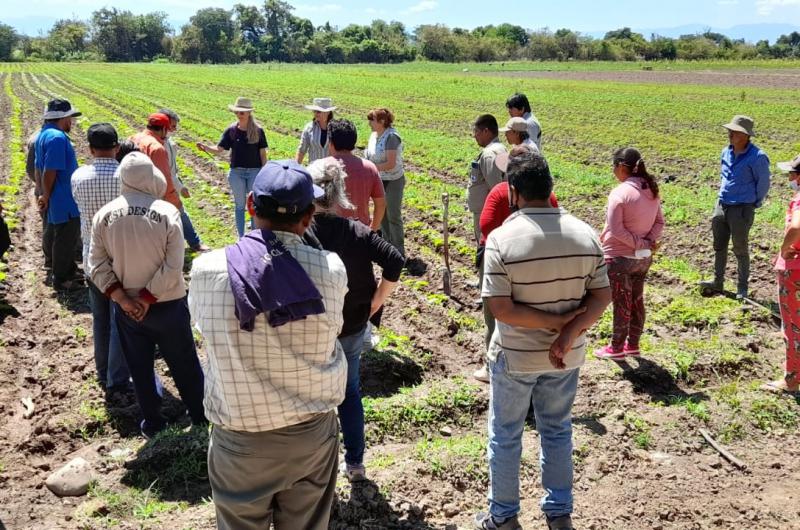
358 247
246 141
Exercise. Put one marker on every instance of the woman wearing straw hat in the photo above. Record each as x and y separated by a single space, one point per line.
246 141
314 138
516 130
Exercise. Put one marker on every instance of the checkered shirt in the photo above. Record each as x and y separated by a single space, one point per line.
271 377
93 186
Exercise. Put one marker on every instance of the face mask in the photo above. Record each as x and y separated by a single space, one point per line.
794 185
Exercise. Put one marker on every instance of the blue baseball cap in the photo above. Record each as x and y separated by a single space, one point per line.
285 187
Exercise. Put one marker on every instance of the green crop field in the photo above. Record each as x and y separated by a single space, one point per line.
704 358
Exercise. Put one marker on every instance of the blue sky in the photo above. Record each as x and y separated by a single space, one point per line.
583 15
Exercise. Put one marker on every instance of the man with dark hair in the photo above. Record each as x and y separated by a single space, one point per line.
519 107
545 282
270 309
55 162
93 186
151 142
189 233
136 259
744 184
484 175
363 178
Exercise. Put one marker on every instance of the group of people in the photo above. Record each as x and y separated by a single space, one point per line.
285 310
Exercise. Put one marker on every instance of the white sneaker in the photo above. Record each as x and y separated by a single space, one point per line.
482 374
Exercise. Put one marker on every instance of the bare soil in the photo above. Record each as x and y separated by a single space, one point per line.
677 482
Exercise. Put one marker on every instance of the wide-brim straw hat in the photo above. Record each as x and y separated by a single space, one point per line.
743 124
793 166
242 105
321 105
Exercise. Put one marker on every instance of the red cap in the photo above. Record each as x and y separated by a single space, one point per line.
158 120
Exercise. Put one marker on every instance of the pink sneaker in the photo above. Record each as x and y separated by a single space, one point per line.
609 353
631 351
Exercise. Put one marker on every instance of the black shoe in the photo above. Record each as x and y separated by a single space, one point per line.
148 431
563 522
69 286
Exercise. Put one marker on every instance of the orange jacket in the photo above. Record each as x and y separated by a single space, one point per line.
153 146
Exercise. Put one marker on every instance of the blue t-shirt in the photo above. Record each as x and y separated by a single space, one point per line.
54 152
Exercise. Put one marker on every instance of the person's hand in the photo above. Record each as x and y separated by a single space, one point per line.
789 253
563 345
185 192
145 306
131 307
43 201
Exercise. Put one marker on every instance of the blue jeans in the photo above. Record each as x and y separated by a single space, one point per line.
241 181
351 411
167 324
510 397
189 233
108 359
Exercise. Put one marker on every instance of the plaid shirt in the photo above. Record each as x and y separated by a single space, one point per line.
93 186
310 142
271 377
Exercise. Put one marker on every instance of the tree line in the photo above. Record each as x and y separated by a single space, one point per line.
271 32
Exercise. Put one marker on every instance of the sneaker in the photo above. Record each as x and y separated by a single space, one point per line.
563 522
482 374
485 521
631 351
147 431
200 247
711 286
609 353
355 472
741 294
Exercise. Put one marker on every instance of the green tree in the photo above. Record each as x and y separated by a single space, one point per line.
210 37
8 40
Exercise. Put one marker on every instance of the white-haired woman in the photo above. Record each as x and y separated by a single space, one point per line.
314 138
359 247
246 141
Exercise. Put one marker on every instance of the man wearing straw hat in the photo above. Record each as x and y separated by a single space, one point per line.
314 138
743 188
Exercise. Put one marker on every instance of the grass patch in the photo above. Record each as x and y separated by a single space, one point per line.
457 457
768 413
639 429
423 407
110 507
693 406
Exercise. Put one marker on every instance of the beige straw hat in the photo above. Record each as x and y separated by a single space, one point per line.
241 105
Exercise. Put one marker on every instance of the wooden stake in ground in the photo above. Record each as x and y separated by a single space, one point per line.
721 450
446 242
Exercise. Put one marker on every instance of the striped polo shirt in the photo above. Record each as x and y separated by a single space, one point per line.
547 259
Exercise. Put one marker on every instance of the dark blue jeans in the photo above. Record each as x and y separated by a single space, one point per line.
167 324
108 359
351 411
189 233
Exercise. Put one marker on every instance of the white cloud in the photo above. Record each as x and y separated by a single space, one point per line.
424 5
766 7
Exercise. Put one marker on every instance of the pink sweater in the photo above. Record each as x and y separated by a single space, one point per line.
633 220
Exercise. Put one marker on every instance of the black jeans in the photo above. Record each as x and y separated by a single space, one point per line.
65 236
732 222
166 324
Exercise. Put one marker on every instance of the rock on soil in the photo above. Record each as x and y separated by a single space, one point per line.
72 480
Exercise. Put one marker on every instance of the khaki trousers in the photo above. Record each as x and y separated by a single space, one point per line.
285 477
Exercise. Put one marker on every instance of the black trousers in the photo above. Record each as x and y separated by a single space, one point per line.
65 237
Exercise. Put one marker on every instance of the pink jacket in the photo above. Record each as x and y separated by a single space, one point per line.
634 219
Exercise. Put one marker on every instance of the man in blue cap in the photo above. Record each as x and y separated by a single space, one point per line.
270 308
